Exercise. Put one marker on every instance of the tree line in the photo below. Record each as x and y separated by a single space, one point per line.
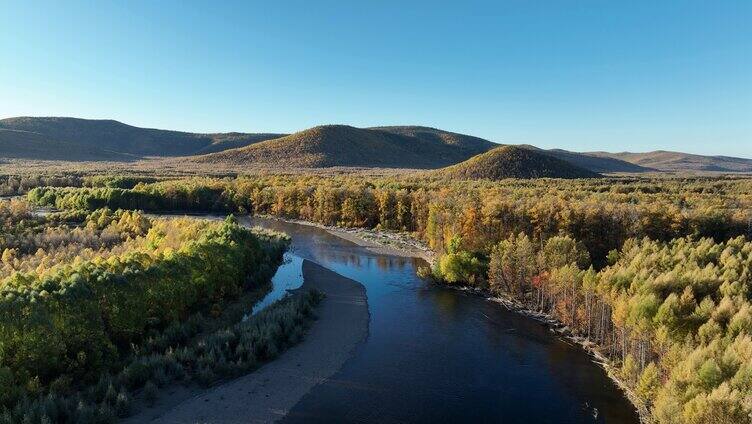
602 214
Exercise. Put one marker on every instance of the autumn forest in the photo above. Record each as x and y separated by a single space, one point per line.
653 274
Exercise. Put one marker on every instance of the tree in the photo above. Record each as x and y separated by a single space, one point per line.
512 265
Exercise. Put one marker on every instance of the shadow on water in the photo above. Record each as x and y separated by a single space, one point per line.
439 355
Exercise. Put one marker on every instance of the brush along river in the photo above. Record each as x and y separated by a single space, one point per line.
427 354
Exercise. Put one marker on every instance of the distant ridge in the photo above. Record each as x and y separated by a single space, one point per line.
663 160
593 162
343 145
28 145
514 162
403 146
119 137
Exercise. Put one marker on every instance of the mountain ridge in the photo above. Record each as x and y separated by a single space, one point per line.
396 146
671 161
593 163
117 136
15 144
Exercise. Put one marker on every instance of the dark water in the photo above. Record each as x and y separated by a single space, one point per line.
439 355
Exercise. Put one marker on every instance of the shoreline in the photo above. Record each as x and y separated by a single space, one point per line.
565 333
270 392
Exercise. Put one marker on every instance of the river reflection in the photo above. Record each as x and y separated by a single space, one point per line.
289 276
440 355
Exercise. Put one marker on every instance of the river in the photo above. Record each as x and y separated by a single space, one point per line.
434 354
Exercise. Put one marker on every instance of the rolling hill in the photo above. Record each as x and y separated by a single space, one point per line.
514 162
28 145
681 162
119 137
476 145
416 147
342 145
593 162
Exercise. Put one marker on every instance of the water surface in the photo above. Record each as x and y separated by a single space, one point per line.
289 276
439 355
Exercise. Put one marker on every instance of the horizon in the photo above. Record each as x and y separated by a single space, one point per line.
373 127
588 77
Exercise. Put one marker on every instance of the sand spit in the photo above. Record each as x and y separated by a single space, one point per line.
267 394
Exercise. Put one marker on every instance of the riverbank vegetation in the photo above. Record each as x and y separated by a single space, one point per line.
655 273
15 185
676 316
85 295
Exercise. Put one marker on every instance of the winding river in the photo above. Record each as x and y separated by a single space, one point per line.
439 355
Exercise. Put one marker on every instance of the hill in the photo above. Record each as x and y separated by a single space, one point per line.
416 147
593 162
27 145
514 162
681 162
342 145
119 137
226 141
470 144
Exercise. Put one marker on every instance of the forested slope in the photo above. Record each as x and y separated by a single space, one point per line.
473 145
513 162
342 145
29 145
114 136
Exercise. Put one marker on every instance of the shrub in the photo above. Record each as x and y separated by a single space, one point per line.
122 405
150 393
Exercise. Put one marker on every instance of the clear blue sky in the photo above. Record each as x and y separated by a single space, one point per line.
580 75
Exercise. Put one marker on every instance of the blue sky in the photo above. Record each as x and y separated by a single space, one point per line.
579 75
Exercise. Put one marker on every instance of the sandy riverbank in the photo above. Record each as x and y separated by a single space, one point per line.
377 241
268 393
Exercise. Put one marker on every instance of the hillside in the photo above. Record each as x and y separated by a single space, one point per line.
119 137
28 145
226 141
416 147
681 162
468 143
342 145
514 162
592 162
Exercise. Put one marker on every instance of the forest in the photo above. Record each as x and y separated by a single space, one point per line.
654 273
97 305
